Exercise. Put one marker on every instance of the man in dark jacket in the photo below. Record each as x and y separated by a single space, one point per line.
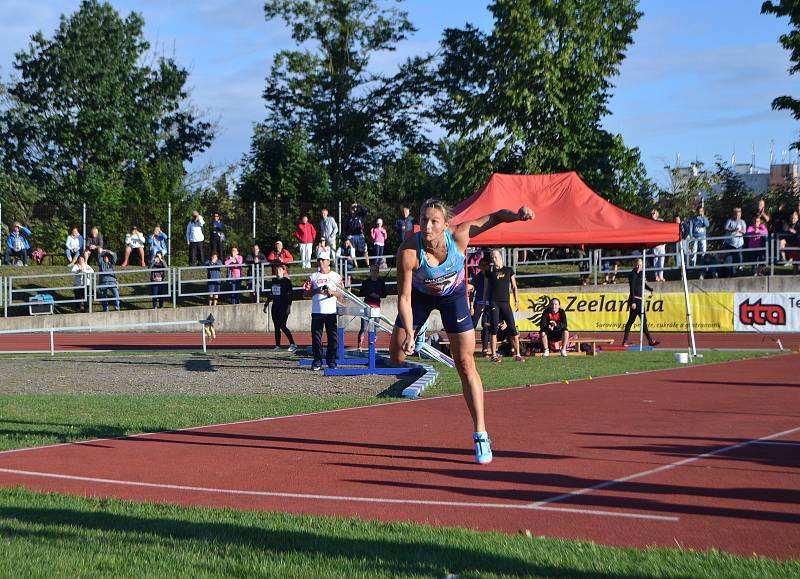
355 231
107 279
553 328
637 304
404 225
217 235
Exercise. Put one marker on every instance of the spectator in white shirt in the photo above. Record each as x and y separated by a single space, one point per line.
82 280
195 239
74 246
134 241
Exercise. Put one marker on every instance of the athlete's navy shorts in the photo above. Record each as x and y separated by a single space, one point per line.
453 308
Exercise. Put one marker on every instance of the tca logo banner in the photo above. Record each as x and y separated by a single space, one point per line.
758 314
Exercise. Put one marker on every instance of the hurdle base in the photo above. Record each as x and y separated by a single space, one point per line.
367 371
339 361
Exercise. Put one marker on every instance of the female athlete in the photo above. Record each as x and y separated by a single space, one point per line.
431 275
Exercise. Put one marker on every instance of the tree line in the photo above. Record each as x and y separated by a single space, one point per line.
92 114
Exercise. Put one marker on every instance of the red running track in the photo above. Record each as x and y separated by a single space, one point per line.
171 341
702 457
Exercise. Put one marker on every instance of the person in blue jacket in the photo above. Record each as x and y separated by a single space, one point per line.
17 245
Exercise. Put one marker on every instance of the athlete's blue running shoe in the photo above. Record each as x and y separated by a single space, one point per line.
420 338
483 448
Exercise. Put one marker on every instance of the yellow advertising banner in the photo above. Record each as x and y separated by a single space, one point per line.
608 311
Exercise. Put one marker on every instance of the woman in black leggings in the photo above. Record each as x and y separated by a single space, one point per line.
281 298
480 306
501 283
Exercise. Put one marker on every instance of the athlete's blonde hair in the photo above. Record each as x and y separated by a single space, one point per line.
434 203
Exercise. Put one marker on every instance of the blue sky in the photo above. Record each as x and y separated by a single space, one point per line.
698 80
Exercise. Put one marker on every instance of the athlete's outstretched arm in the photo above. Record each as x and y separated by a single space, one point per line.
463 232
406 262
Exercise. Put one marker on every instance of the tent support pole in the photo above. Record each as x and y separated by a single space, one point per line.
682 259
643 319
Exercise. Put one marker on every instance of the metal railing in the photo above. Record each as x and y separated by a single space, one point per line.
52 330
531 263
349 270
11 291
187 285
100 291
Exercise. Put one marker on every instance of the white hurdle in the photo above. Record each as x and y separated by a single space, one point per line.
206 328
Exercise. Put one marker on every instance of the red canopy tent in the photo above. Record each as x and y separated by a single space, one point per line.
567 211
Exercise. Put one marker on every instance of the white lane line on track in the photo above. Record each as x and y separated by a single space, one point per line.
303 496
583 491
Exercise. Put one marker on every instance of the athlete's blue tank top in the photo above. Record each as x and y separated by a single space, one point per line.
443 279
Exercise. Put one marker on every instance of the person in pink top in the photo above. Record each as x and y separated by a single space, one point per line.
756 238
379 236
234 263
305 234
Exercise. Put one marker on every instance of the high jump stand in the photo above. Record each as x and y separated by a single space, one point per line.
360 366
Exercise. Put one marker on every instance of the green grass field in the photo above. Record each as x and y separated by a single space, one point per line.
99 538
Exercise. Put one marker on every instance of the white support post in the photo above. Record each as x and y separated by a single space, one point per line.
84 226
52 343
598 259
688 303
643 318
169 234
203 335
87 289
254 222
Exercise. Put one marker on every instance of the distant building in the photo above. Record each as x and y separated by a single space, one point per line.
757 180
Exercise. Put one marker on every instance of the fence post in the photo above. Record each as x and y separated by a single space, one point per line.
88 287
775 245
258 277
52 343
339 229
598 256
169 234
175 280
254 224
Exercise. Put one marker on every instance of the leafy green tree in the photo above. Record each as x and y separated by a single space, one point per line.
354 118
732 192
532 93
279 172
92 117
791 42
688 185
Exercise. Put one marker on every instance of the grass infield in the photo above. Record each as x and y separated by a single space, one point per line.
54 535
74 536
